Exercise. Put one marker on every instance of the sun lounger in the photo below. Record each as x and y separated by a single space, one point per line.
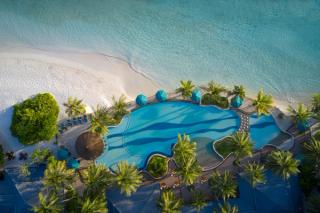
85 118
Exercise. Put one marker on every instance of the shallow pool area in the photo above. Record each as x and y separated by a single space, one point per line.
154 129
264 130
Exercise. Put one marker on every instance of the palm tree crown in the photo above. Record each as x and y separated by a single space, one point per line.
119 107
215 88
263 103
127 177
24 170
223 185
255 173
301 114
94 205
56 176
100 121
312 151
316 104
184 149
241 145
227 208
169 203
189 171
240 91
74 107
198 200
186 88
48 204
96 178
283 164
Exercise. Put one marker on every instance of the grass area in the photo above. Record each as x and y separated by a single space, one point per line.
157 166
223 147
218 100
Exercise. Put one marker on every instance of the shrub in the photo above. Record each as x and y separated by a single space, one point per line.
1 156
215 100
307 179
157 166
224 146
35 119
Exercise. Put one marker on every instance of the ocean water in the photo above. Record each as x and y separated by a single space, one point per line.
267 44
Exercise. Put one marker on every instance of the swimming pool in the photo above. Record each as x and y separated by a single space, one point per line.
154 129
264 130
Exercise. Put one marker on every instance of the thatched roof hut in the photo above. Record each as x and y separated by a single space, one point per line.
89 145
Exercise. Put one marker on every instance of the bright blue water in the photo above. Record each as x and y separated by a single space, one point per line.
273 45
154 129
263 129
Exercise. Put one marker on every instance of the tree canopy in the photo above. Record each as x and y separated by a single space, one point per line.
35 119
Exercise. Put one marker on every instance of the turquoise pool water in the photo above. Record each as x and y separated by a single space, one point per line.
267 44
154 129
263 130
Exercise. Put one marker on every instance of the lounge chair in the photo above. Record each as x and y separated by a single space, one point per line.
85 118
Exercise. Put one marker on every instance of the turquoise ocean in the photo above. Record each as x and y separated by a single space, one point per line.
267 44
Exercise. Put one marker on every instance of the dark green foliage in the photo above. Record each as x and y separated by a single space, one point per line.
218 100
313 203
317 136
35 119
307 178
157 166
1 156
224 146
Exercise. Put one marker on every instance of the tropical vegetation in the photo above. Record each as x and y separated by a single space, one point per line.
241 146
40 155
283 164
127 178
212 95
223 146
74 107
198 200
169 203
157 166
315 105
263 103
48 204
240 91
215 88
223 185
313 203
226 208
24 170
35 119
301 114
254 173
186 88
312 152
100 121
184 154
119 108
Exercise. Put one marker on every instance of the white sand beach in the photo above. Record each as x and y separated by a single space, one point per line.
91 77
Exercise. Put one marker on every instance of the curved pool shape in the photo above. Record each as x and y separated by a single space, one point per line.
263 130
154 129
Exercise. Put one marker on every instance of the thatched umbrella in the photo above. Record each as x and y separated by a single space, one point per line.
89 145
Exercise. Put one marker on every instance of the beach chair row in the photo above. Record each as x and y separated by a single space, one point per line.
75 121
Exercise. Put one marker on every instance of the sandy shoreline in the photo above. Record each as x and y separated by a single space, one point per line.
91 77
94 78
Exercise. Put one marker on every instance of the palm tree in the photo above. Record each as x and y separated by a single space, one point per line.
127 178
100 121
283 164
215 88
40 155
96 178
263 103
56 175
312 151
313 203
119 107
48 204
241 146
189 171
316 104
301 115
198 201
186 88
227 208
24 170
74 107
169 203
184 149
255 173
240 91
223 185
94 205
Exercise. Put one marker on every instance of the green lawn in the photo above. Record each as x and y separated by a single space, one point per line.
223 147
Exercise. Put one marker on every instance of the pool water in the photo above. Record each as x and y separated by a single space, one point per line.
263 130
154 129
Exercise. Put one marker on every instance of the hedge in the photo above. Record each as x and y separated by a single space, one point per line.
217 100
35 119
